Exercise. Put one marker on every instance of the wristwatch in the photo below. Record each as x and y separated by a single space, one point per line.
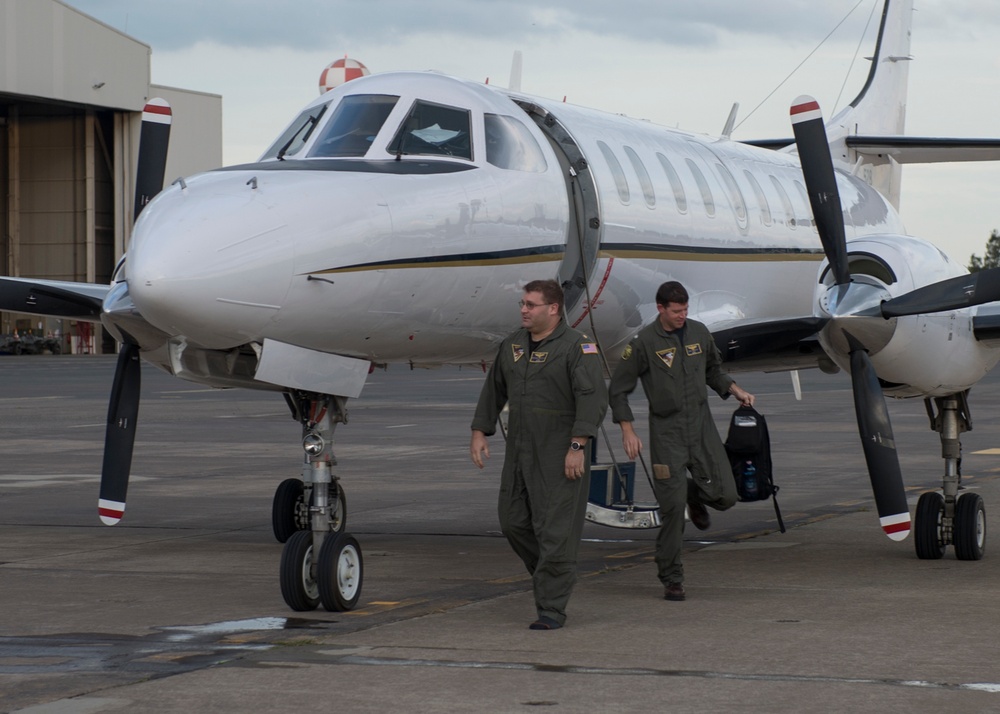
575 445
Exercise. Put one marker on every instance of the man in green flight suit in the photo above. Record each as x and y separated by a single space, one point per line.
675 358
551 376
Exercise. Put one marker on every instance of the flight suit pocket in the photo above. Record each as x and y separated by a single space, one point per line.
661 472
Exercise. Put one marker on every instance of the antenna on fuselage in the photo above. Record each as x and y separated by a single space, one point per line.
727 130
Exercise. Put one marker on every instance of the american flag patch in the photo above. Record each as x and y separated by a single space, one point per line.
589 348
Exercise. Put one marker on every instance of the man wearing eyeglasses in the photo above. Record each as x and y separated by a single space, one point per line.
675 358
551 376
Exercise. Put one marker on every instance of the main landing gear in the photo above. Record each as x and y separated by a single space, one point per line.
943 517
321 562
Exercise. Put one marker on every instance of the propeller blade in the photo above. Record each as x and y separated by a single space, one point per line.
952 294
821 183
120 436
154 138
879 445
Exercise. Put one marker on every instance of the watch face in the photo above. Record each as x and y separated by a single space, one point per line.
576 446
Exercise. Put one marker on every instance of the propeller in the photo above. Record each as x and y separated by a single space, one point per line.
869 401
879 444
952 294
123 409
120 435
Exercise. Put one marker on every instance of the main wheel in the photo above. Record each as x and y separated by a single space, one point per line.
298 586
970 527
285 509
928 534
340 572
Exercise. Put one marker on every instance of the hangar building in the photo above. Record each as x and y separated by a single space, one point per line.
72 90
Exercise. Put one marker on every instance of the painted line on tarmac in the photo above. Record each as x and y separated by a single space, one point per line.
992 687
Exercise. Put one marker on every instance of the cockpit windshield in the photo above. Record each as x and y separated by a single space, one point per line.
434 130
353 126
296 135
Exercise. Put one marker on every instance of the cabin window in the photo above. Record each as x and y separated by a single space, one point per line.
621 183
703 187
765 210
805 200
647 185
296 135
675 182
735 195
434 130
510 145
353 126
786 203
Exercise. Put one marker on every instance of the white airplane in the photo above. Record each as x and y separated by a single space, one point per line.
398 216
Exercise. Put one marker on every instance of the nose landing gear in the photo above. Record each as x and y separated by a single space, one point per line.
944 518
320 563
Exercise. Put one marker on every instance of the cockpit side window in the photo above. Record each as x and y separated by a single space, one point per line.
509 145
434 130
353 126
296 135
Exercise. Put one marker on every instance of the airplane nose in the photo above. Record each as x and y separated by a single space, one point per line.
210 262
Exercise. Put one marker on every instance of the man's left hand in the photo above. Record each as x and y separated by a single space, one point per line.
743 396
574 464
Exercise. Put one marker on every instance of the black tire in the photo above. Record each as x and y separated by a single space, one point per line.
18 349
928 535
340 572
284 509
298 587
55 349
970 527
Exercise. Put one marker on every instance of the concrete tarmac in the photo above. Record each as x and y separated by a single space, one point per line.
178 609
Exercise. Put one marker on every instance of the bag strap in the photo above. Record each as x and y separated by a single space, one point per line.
777 511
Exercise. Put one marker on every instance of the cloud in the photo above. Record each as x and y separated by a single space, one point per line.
313 24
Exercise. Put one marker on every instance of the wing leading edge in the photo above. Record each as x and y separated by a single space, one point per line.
55 298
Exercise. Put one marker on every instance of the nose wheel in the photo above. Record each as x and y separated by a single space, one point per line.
944 518
320 563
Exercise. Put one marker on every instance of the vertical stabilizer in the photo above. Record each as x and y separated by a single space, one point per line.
880 107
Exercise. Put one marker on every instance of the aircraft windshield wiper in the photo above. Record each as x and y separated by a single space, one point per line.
309 125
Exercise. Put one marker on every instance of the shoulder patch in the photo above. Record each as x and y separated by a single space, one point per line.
588 348
627 352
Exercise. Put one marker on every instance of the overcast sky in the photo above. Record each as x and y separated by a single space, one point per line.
674 62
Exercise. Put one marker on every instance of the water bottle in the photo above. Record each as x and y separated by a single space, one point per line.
749 481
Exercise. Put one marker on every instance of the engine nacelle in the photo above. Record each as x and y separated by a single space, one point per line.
920 355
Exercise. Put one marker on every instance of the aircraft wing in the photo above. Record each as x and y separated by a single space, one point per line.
770 345
926 150
986 324
909 149
56 298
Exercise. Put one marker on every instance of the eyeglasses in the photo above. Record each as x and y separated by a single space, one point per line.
532 305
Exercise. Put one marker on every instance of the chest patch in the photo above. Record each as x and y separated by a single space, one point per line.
693 350
667 356
518 352
539 356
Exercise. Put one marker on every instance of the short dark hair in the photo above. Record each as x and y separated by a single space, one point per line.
671 291
549 289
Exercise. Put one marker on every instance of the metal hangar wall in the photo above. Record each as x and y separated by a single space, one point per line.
72 91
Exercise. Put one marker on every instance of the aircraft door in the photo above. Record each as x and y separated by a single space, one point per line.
583 240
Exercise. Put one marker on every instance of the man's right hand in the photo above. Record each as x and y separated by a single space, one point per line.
479 448
630 440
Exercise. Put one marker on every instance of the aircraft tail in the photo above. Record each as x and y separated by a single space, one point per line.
880 107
